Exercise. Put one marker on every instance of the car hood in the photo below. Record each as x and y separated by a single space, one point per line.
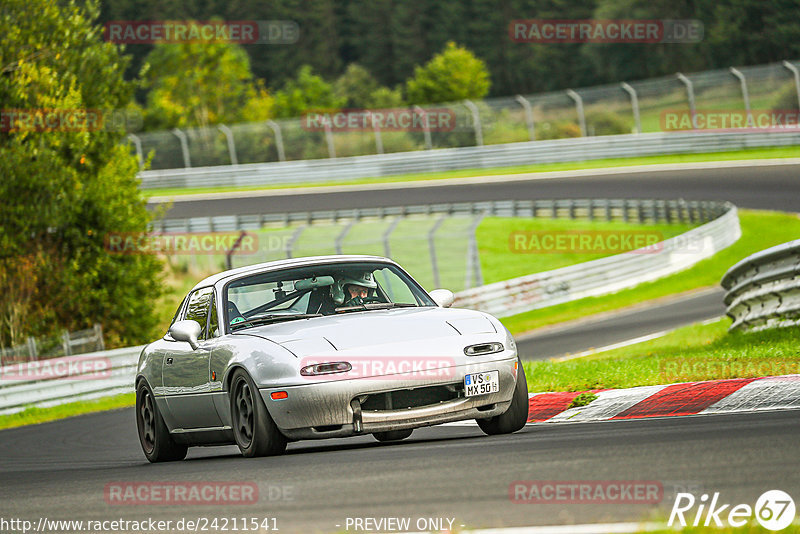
379 332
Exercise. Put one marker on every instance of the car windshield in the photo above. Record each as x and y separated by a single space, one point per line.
313 291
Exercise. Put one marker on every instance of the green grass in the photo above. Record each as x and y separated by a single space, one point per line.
761 153
33 415
502 260
750 528
760 230
692 353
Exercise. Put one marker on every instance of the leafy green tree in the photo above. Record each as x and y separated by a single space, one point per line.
198 84
455 74
67 188
355 86
307 92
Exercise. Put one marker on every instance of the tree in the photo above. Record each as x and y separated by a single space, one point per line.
199 84
454 74
308 91
65 189
355 87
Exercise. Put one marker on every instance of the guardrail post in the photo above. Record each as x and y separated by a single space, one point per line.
796 74
138 144
579 107
432 247
329 137
690 94
231 146
476 120
745 95
528 116
33 353
634 105
187 163
276 129
426 127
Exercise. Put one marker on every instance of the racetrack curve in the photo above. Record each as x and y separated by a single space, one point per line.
60 469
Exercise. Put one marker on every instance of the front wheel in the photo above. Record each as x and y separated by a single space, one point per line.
517 414
253 429
392 435
157 444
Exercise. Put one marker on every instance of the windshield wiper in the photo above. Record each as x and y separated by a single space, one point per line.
375 306
273 318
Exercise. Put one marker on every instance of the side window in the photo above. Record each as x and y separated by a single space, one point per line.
213 321
197 308
176 316
395 288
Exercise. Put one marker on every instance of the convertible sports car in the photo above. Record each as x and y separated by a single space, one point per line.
321 347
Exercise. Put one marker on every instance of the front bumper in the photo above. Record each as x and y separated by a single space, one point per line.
332 409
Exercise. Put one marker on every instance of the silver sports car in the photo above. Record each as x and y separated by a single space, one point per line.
321 347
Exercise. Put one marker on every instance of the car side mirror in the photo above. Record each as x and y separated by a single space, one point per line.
443 297
187 330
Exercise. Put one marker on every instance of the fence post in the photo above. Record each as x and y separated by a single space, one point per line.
184 147
329 137
65 343
426 128
634 105
432 247
474 277
387 251
138 144
377 129
796 74
690 94
745 95
528 116
476 120
292 240
342 235
98 332
231 145
32 352
276 129
579 107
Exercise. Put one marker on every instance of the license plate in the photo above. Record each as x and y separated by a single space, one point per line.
481 383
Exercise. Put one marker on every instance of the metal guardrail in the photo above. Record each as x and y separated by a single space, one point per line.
65 344
474 157
67 379
763 290
605 275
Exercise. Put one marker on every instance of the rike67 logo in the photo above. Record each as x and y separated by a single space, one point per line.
774 510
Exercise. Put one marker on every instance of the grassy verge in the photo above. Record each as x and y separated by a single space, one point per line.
692 353
33 415
760 229
761 153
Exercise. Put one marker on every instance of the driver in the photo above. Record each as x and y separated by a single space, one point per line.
354 290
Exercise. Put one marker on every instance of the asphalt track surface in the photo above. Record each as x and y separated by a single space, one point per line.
60 470
621 327
771 187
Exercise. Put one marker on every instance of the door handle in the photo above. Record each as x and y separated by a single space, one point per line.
169 361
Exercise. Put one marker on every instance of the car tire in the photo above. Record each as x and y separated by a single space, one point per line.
517 414
157 444
392 435
253 428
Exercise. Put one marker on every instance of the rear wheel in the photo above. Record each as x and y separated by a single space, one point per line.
393 435
157 444
254 430
517 414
